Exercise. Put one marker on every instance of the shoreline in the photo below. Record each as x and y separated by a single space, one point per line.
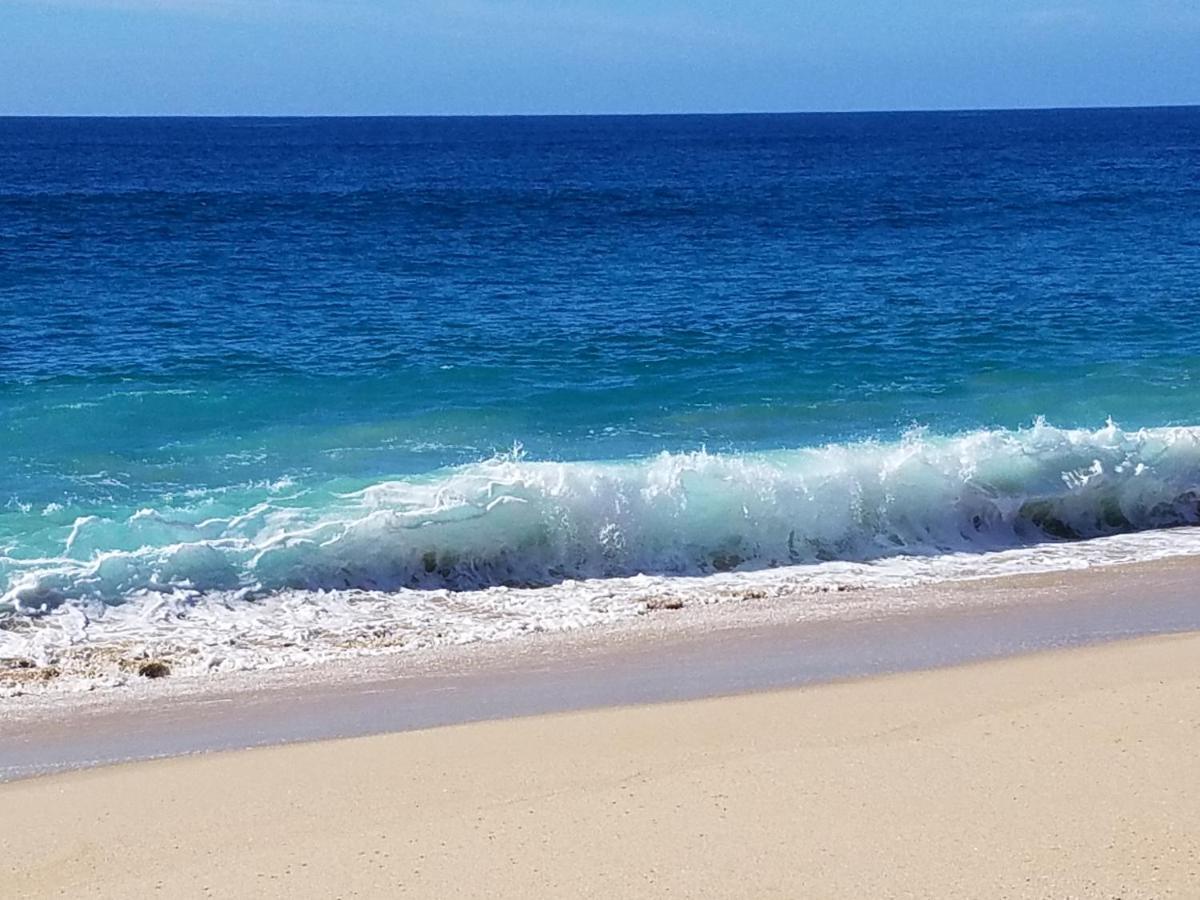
198 637
673 655
1063 773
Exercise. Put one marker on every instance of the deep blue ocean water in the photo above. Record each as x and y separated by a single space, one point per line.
302 352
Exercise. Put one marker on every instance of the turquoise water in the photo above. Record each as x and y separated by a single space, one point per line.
388 353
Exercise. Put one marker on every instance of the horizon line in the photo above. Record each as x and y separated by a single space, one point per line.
614 115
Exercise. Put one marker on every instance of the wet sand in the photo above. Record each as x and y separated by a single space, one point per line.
669 655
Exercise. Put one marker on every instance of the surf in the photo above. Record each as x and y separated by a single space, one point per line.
519 522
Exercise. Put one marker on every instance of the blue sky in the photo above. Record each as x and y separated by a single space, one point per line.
577 56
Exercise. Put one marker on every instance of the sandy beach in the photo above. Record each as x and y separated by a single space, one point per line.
1062 774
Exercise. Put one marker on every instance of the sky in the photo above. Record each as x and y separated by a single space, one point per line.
468 57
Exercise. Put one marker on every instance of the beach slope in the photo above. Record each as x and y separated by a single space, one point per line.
1062 774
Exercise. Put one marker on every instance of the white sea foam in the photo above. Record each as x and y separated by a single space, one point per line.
510 545
221 631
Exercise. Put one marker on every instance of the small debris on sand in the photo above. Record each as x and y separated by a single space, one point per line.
655 603
154 669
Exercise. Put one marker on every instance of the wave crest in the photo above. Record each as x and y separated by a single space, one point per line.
511 521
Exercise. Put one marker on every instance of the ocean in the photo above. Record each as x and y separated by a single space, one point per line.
276 390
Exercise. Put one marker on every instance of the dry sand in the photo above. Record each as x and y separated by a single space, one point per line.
1066 774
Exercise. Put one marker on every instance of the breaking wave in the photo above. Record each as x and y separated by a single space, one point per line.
513 521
